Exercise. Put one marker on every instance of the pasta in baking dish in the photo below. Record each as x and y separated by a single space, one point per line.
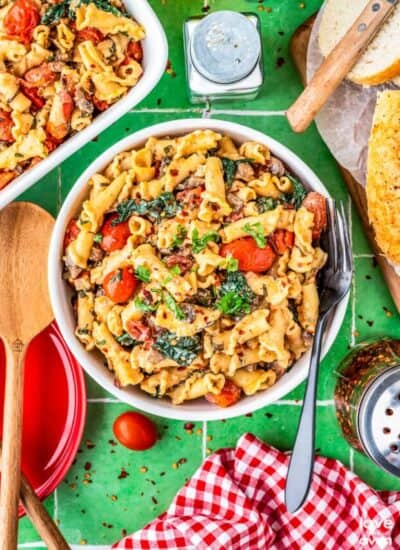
61 64
194 262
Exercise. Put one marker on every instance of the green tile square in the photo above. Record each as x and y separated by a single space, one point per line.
367 470
110 488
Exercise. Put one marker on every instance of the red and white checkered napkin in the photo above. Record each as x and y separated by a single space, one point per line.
235 501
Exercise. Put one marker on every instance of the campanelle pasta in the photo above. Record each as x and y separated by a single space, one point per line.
61 64
194 262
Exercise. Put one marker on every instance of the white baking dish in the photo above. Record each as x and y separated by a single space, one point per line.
60 292
155 55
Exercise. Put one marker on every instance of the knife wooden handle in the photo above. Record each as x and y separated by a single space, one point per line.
338 64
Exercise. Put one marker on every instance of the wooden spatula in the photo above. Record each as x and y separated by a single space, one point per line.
25 311
338 64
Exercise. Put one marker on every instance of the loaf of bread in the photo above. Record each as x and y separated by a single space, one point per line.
383 174
381 60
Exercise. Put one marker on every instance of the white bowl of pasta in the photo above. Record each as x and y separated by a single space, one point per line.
76 69
191 260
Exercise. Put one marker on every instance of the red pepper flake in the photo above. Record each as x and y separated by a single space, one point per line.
90 444
123 474
112 442
87 466
174 172
155 501
182 460
188 426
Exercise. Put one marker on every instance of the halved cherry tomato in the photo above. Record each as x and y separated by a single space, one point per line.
114 236
119 285
71 232
316 203
51 143
39 76
229 395
191 197
64 102
135 431
99 104
282 240
21 20
6 176
90 33
249 255
133 51
6 125
138 330
33 95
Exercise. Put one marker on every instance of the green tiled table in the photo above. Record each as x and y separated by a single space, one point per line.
110 490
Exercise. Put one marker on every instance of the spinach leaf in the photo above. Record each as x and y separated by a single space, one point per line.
141 305
183 350
235 295
126 340
200 243
179 237
230 167
164 206
256 230
98 238
264 204
143 273
55 12
173 306
298 194
232 264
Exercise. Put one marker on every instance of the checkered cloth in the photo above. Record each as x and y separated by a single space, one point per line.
235 501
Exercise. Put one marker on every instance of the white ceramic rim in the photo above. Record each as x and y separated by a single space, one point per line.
155 56
198 410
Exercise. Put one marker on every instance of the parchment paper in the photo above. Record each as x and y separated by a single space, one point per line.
345 121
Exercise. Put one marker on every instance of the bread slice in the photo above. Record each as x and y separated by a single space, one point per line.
383 174
381 60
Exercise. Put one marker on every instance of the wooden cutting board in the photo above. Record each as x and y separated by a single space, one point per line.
298 46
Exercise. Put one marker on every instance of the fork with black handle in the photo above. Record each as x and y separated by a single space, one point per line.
335 283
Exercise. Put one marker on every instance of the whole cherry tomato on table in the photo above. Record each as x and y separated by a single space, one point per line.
135 431
229 395
282 240
6 125
119 285
115 236
249 255
21 20
316 203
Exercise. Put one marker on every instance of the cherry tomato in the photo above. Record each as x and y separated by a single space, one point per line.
51 143
21 20
90 33
66 105
119 285
135 431
114 236
71 232
138 331
33 95
6 124
99 104
316 203
39 76
282 240
249 255
133 51
229 395
6 176
191 197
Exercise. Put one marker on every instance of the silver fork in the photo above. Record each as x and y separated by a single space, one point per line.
335 282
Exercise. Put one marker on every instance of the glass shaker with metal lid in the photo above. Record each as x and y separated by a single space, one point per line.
367 400
223 56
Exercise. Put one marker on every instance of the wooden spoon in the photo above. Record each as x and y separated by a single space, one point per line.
25 311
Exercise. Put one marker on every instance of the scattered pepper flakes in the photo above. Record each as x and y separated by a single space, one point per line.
356 334
170 70
114 498
268 415
209 438
268 9
177 436
82 542
368 277
199 431
387 311
280 62
73 486
143 469
112 442
205 9
302 5
155 501
87 465
249 415
87 475
370 323
188 426
182 461
90 445
175 466
124 532
123 474
208 451
162 474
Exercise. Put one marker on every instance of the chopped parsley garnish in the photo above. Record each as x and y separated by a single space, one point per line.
173 306
141 305
230 167
256 231
232 264
175 270
200 243
164 206
183 350
98 238
126 340
143 273
298 193
235 295
179 237
264 204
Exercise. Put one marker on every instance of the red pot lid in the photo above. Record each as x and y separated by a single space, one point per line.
54 410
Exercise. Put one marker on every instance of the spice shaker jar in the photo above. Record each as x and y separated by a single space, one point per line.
367 400
223 56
